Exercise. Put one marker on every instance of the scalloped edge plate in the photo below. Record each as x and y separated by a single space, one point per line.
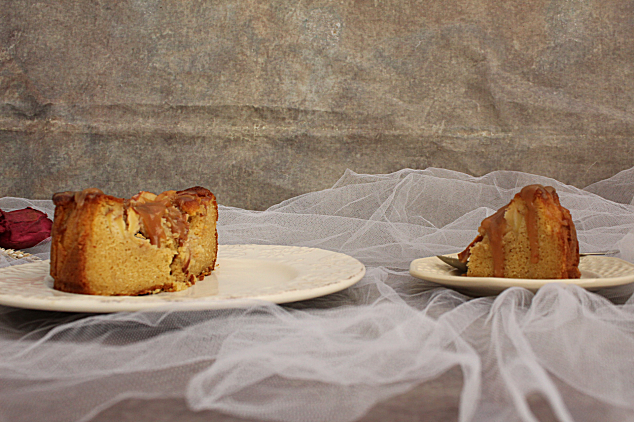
597 272
243 275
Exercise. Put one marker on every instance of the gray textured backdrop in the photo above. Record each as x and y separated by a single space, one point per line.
262 101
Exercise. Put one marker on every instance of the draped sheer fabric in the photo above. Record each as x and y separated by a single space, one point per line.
334 357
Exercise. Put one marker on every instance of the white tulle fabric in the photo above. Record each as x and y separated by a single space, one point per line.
334 357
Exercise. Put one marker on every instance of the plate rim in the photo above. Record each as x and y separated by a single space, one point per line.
105 304
501 283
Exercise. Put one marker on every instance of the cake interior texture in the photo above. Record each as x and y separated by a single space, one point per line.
532 237
103 245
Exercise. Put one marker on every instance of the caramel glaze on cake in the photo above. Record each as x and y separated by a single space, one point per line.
531 237
104 245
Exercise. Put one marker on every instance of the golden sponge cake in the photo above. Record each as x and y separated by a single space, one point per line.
103 245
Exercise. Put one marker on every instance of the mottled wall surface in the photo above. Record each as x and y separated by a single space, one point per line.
262 101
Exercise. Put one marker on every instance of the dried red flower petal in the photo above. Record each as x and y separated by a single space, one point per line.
23 228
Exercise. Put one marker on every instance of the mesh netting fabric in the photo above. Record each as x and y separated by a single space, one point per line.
334 357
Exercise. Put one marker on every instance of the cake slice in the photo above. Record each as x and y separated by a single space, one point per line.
103 245
531 237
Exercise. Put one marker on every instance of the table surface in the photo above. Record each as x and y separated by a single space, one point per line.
434 401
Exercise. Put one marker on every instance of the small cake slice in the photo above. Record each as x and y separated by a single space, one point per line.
103 245
531 237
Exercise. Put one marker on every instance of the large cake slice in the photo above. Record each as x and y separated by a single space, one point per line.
531 237
103 245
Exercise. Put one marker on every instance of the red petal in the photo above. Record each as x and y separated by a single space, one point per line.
25 228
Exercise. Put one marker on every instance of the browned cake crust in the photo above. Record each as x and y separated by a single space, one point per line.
532 237
104 245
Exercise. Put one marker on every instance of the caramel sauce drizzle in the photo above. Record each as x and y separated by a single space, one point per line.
153 212
495 227
528 194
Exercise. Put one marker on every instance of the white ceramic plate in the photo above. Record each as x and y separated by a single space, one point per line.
244 274
597 272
